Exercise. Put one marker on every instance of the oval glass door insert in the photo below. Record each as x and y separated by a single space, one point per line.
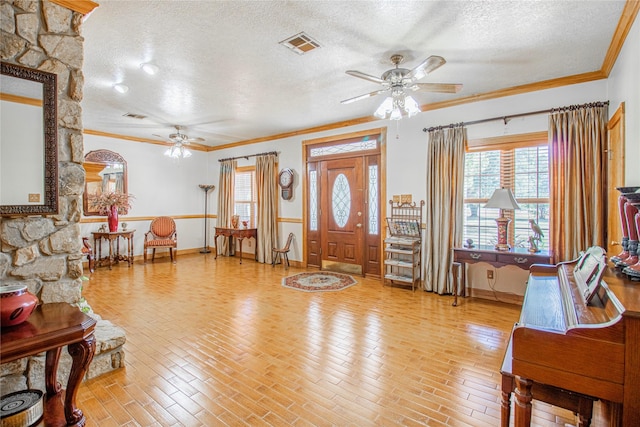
341 200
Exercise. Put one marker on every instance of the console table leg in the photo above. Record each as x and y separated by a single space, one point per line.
81 352
523 402
51 370
505 403
455 266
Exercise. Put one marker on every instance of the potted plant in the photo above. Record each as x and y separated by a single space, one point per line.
111 204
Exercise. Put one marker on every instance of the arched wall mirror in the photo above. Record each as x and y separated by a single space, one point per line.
28 141
105 171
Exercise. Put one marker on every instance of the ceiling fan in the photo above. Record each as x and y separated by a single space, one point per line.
397 81
179 141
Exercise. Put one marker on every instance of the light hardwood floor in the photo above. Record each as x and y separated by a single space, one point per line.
211 342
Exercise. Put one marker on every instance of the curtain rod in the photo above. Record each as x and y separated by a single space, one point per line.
512 116
249 155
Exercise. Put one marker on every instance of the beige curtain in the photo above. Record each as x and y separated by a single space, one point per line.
266 188
226 186
444 205
577 143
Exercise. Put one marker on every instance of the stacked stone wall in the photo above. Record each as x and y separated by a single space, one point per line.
44 252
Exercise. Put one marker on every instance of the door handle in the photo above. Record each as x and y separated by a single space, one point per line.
359 225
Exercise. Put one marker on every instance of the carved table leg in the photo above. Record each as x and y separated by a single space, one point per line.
455 266
505 403
523 402
110 253
51 370
81 353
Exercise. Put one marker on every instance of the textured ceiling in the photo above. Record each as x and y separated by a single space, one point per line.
225 77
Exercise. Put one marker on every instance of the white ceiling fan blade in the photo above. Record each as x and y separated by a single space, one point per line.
366 95
197 139
365 76
425 67
437 87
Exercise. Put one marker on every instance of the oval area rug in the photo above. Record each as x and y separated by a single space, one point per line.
318 281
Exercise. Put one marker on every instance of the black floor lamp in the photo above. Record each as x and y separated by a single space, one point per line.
206 188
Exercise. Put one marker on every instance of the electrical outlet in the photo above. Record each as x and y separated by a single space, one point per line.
489 274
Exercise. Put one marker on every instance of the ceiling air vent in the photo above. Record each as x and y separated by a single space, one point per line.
134 116
300 43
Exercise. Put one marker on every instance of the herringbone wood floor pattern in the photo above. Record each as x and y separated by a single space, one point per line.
213 343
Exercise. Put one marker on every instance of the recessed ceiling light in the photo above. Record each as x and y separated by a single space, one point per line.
121 88
149 68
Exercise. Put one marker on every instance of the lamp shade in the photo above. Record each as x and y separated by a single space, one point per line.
177 151
502 198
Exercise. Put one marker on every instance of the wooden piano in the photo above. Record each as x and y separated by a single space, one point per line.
578 338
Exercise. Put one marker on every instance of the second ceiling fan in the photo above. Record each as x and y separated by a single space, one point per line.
397 81
179 141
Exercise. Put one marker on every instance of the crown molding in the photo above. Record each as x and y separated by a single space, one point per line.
192 145
629 14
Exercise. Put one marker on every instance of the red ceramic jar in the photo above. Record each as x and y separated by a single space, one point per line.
16 304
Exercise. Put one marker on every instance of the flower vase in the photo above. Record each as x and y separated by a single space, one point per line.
112 218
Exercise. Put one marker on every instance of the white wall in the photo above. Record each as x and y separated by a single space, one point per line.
161 186
624 86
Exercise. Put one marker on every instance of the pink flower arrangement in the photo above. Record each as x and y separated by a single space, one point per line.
102 202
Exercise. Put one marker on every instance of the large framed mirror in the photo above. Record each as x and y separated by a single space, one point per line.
28 141
105 171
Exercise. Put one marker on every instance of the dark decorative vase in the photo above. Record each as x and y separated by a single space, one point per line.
17 304
112 219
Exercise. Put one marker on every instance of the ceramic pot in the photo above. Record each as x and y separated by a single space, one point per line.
112 219
17 304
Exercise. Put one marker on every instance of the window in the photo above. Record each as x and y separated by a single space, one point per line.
244 195
523 169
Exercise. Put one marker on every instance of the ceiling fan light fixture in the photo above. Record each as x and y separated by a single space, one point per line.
177 151
149 68
121 88
384 108
411 106
396 114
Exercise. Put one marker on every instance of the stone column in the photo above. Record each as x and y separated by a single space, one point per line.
44 252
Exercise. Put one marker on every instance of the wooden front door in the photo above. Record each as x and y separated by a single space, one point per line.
342 222
615 178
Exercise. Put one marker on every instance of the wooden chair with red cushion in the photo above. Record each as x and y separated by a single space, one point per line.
162 234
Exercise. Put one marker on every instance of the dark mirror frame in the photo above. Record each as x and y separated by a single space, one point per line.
50 117
106 157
